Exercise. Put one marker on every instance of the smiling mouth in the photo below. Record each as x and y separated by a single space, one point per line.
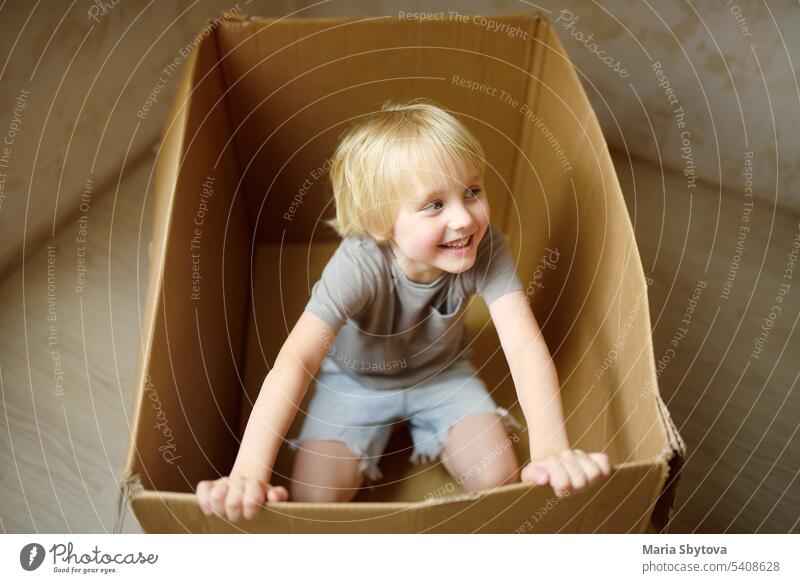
464 243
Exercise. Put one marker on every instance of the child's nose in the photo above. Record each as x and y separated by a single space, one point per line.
460 218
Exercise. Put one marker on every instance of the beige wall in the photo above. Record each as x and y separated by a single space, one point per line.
83 78
738 87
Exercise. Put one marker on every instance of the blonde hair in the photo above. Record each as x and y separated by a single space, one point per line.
369 169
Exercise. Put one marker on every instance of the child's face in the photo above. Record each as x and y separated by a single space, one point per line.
440 209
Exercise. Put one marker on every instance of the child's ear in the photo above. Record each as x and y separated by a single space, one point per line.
382 238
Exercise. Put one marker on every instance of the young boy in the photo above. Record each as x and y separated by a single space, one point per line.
385 324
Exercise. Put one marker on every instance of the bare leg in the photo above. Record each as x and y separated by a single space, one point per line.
324 471
479 454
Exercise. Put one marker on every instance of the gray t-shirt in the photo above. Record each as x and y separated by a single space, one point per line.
393 332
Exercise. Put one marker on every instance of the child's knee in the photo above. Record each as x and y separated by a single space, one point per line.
324 471
501 471
480 454
301 492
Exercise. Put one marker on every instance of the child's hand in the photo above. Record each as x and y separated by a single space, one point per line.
229 496
568 471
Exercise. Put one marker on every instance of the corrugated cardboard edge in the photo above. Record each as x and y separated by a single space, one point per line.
166 181
674 454
129 487
671 458
674 457
177 512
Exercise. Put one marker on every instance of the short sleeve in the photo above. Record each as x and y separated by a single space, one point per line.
346 287
495 270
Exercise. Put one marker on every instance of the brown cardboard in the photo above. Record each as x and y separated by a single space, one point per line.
260 108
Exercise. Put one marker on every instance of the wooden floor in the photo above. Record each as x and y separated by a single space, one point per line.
67 359
738 412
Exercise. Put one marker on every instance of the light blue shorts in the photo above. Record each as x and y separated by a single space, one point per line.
362 417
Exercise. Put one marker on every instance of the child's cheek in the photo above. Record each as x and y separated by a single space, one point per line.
486 212
427 247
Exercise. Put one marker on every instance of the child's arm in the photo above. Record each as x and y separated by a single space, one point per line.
248 486
536 382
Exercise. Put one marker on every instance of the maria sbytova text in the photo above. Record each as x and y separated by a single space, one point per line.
694 551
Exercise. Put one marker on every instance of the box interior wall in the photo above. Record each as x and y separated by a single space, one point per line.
258 115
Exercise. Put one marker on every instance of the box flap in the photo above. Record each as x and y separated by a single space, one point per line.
616 506
675 456
251 111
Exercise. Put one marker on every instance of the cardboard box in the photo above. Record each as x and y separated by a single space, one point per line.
238 243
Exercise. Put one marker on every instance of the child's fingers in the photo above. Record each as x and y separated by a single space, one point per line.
233 501
589 466
254 495
535 474
277 494
601 460
216 498
577 479
559 477
203 489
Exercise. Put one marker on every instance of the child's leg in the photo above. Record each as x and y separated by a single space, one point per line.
324 471
479 454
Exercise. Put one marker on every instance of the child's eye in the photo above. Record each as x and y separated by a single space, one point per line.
474 191
430 207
